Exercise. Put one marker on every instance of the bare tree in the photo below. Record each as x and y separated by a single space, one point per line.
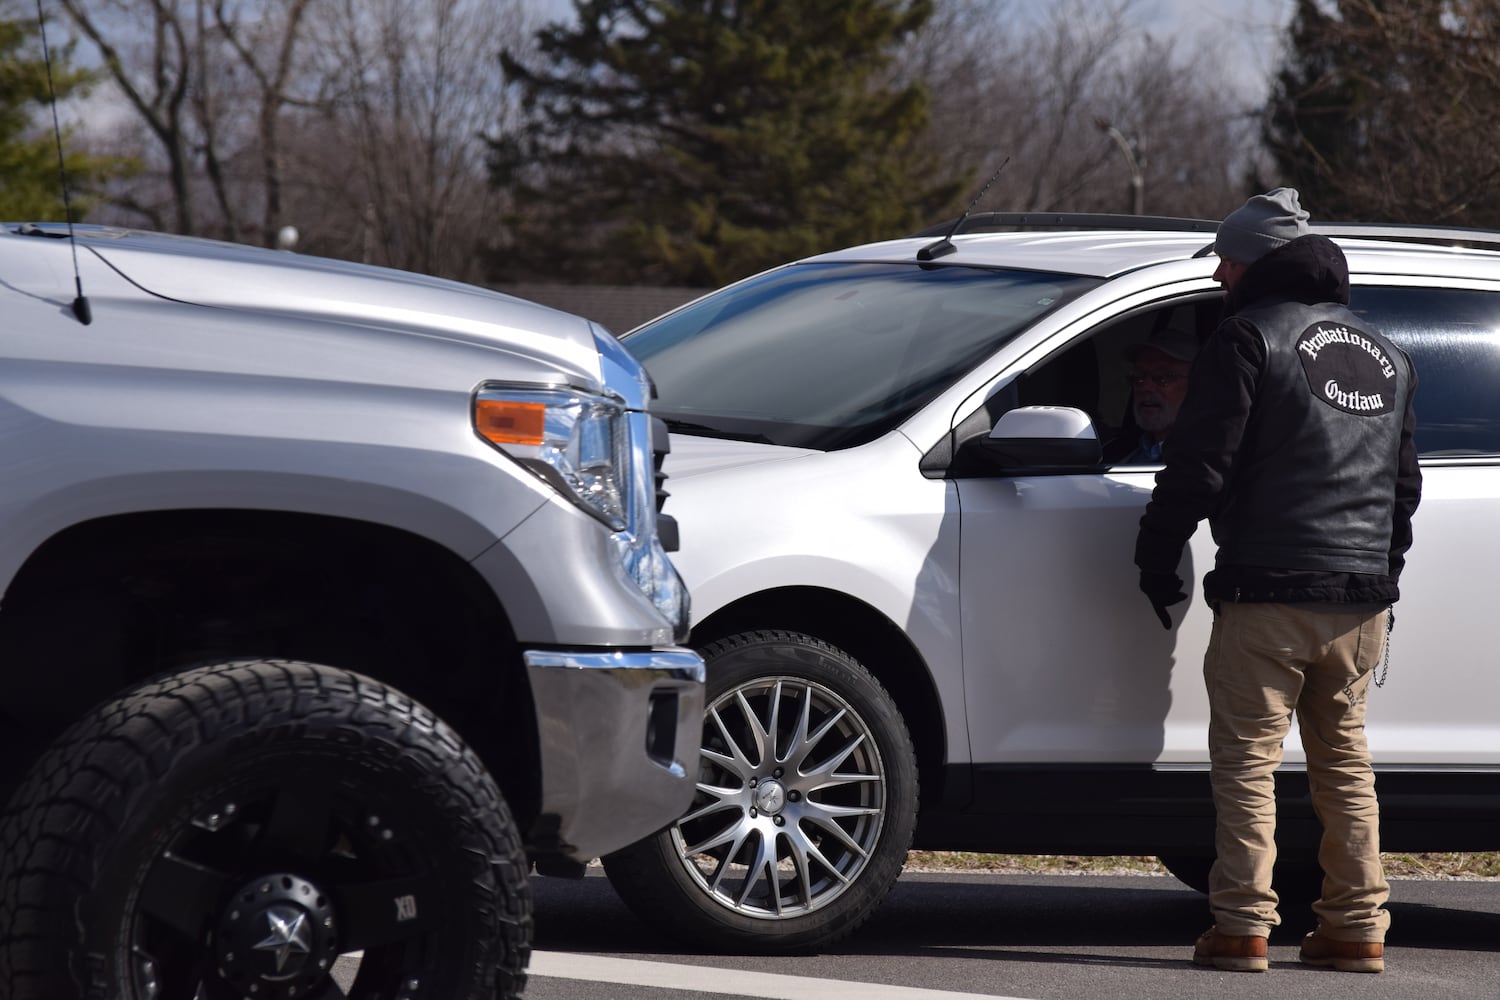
1062 95
391 163
358 122
1194 136
267 51
210 79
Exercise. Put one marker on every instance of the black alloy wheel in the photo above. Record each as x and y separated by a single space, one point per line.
241 829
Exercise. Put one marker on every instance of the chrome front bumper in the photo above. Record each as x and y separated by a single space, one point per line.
619 735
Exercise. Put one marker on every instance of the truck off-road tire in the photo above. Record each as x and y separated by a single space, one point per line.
807 798
239 829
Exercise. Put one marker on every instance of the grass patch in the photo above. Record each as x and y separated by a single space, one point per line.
1476 864
1034 864
1480 864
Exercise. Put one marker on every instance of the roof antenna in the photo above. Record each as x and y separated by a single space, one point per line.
81 307
933 251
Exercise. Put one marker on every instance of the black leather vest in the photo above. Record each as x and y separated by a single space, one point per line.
1314 480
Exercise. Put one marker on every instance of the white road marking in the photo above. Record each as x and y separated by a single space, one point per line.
733 982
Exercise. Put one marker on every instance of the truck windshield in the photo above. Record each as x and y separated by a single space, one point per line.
833 355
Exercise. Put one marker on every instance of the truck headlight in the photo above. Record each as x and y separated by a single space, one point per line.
576 441
595 451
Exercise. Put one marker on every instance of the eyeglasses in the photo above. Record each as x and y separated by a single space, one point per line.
1160 379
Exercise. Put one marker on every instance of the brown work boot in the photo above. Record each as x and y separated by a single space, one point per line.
1231 952
1346 956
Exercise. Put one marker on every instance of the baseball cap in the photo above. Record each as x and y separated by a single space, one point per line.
1172 341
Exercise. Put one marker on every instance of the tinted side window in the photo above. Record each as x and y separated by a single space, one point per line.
1453 337
1090 373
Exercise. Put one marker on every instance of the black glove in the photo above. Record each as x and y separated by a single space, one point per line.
1163 590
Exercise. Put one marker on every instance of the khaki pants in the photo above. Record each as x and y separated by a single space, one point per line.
1263 661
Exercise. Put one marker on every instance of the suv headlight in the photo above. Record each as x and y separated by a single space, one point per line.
576 441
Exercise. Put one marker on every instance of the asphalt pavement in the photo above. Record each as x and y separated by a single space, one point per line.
965 936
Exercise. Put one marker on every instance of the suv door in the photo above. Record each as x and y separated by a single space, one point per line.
1065 664
1064 660
1438 703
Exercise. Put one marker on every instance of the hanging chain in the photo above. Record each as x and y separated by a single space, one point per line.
1385 667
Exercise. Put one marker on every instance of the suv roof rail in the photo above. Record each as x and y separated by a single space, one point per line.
1071 220
1461 236
1458 236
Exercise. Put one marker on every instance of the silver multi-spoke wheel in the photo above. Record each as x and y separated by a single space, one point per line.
806 803
791 795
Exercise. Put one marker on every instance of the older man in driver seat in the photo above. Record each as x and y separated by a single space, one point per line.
1158 376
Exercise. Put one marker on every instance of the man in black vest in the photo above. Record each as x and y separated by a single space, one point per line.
1295 442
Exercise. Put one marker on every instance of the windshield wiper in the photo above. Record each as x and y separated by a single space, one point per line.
704 430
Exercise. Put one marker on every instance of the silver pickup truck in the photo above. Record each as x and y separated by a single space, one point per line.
334 598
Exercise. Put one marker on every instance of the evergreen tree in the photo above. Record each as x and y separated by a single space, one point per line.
696 141
30 188
1387 110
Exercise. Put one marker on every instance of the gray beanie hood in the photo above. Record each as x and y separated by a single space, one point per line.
1262 224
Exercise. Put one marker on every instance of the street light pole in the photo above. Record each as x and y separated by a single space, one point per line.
1137 181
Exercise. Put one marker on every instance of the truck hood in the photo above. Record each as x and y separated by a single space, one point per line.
234 276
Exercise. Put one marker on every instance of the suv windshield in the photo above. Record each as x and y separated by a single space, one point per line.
830 356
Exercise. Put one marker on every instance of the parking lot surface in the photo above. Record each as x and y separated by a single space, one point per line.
961 936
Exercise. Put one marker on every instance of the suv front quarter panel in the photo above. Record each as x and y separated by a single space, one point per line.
839 522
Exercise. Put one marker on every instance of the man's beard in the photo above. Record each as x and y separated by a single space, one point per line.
1153 421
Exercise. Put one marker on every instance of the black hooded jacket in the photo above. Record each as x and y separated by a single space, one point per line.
1294 441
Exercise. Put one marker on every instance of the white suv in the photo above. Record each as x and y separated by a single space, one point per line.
910 568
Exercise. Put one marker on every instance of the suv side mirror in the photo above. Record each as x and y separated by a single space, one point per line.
1044 436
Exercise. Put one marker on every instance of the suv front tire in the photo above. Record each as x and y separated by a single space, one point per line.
806 803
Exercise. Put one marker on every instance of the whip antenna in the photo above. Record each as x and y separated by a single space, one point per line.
81 307
945 245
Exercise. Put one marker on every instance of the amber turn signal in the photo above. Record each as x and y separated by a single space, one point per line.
505 421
